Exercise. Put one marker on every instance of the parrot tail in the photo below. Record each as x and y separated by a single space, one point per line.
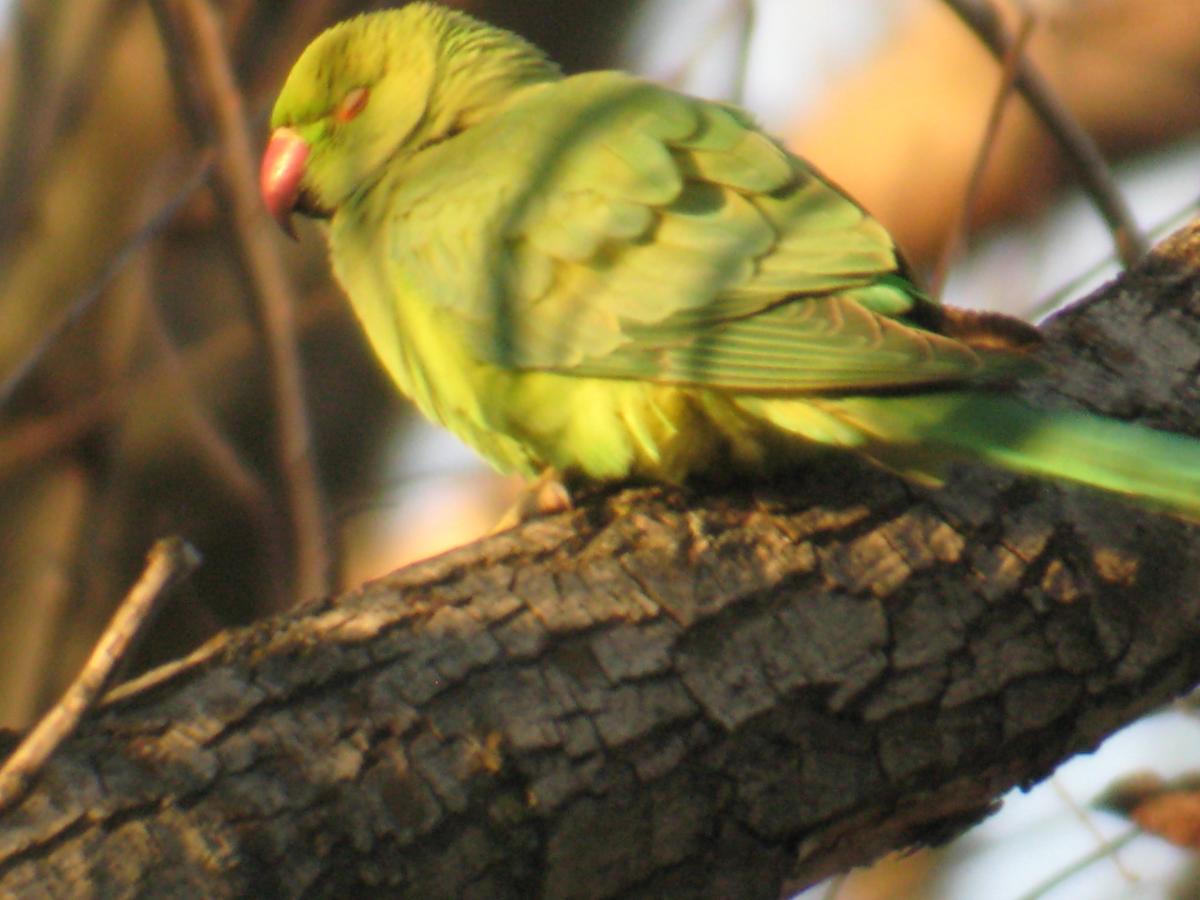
920 434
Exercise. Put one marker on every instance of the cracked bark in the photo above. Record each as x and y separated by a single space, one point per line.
663 694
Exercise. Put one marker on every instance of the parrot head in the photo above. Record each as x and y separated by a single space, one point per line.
378 88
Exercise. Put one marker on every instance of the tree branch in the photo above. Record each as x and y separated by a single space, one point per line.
1076 144
196 52
659 693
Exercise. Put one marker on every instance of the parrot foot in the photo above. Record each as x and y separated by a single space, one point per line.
544 496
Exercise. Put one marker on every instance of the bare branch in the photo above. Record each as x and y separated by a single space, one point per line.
45 89
76 309
168 561
192 35
24 442
956 233
221 455
1077 145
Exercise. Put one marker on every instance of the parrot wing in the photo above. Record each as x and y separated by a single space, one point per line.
662 238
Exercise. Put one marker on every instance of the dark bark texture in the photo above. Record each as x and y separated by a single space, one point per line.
663 693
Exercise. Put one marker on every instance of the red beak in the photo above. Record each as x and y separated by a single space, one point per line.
282 170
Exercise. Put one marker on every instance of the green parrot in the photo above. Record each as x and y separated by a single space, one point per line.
598 276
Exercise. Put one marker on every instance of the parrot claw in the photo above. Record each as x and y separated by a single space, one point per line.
544 496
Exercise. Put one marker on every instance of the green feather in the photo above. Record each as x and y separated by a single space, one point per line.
922 434
601 275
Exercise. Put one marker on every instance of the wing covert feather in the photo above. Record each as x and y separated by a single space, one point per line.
658 237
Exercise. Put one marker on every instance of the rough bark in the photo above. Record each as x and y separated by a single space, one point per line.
663 693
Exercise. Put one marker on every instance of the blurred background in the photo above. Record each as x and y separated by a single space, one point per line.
140 394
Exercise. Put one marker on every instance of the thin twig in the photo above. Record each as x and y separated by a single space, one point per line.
221 456
23 442
717 27
53 80
1077 145
38 557
169 560
192 37
1085 819
76 309
741 71
958 228
1074 285
32 32
1067 872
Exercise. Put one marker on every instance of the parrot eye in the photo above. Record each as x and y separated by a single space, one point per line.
352 104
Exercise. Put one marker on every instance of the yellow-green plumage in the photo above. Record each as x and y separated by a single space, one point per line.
600 275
